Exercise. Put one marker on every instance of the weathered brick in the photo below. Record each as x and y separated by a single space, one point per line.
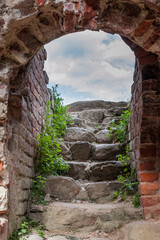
147 176
1 165
3 91
4 228
148 201
26 7
140 52
3 199
69 21
152 4
148 136
1 149
150 84
146 165
3 111
148 188
152 39
150 59
142 28
148 151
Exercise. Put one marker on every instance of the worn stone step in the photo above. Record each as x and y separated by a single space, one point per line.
78 170
84 216
81 150
104 171
93 119
95 171
84 150
102 136
94 115
67 189
77 122
95 104
106 151
135 230
101 192
73 134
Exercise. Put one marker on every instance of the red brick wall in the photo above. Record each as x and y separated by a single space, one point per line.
145 134
27 100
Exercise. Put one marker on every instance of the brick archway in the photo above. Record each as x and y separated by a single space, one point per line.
25 26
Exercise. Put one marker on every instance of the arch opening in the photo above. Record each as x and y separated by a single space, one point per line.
28 26
89 60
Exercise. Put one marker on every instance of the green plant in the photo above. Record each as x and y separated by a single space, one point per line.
37 193
97 126
136 200
50 161
127 177
119 129
26 229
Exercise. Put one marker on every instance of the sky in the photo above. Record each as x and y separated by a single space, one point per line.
90 66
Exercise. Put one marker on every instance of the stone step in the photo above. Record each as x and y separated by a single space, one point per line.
73 134
102 136
135 230
95 171
86 120
106 151
95 104
67 189
101 192
84 217
94 115
84 150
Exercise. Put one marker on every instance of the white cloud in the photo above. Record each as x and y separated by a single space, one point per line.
91 62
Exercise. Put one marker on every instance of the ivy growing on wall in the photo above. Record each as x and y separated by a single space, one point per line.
50 160
127 177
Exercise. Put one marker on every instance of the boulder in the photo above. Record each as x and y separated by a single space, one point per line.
101 191
93 115
117 111
77 122
107 121
105 171
77 170
82 195
102 136
106 151
78 134
80 151
63 188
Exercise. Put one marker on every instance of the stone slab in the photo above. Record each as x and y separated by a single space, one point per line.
143 230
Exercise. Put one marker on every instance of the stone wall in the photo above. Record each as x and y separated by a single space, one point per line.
145 130
28 95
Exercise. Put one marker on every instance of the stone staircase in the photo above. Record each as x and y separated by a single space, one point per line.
81 202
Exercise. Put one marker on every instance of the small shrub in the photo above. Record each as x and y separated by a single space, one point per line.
127 178
136 200
119 129
37 193
26 228
50 160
